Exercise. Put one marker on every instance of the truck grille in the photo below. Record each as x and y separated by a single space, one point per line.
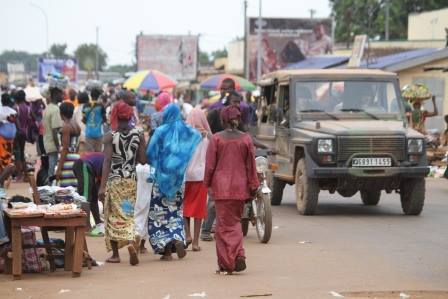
349 145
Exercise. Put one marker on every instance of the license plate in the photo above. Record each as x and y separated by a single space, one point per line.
372 162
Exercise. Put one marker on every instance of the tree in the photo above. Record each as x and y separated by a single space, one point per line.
58 51
219 54
368 16
86 55
399 11
122 68
204 58
355 17
29 60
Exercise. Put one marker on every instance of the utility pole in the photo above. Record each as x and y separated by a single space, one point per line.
386 23
260 49
46 27
97 55
312 13
245 40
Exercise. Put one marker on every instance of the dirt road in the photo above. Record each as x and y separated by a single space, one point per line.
347 249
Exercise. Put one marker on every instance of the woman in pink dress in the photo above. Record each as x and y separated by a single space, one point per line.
231 175
195 198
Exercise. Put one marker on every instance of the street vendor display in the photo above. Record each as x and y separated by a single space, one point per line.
53 208
416 94
72 220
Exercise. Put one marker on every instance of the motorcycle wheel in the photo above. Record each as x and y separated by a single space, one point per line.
264 218
245 226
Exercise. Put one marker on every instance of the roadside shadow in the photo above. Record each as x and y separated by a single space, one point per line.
349 209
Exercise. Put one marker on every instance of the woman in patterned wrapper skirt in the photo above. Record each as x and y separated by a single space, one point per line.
124 148
169 152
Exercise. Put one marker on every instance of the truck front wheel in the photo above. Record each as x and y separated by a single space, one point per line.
370 198
307 190
412 195
277 191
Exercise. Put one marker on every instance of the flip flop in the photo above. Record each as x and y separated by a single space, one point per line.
207 237
240 264
113 261
166 258
197 248
180 249
133 256
187 243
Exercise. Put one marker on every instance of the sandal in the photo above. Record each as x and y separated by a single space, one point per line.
180 249
113 260
166 258
133 256
240 264
187 243
207 237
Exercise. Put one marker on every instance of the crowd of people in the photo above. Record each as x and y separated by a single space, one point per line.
191 164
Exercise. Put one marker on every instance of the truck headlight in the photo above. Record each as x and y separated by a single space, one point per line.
415 146
324 146
261 164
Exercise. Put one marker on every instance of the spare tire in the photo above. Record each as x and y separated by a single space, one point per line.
370 198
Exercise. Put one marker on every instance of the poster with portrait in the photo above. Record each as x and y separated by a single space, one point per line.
174 55
285 41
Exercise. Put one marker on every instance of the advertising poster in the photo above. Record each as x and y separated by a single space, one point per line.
67 67
16 72
286 41
174 55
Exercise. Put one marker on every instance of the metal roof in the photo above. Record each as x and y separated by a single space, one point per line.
405 60
337 73
319 62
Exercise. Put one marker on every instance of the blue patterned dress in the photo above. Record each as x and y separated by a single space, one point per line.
165 220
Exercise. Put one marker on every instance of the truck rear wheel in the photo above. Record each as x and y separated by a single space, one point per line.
370 198
307 190
277 191
412 195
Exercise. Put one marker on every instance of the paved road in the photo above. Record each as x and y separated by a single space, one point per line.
353 249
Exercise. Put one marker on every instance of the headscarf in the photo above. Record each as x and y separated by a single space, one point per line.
229 113
197 120
170 151
162 100
121 110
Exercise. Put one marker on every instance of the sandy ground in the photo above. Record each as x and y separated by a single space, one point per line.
351 250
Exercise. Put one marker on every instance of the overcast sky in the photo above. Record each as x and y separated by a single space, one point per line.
119 21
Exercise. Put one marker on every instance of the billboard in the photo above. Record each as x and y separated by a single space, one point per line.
16 72
174 55
286 41
67 67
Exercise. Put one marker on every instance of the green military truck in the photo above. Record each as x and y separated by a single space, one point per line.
341 130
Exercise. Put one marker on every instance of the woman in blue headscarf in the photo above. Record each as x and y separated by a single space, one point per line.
169 152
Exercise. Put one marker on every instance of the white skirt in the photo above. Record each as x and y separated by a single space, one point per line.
141 208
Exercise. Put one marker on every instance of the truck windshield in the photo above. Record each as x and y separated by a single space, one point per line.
348 100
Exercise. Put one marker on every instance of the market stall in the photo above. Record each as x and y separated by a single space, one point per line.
52 208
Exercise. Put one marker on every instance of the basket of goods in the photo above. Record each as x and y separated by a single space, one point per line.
416 92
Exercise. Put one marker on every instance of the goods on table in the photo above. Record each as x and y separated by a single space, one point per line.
416 92
25 209
62 209
22 205
56 202
57 210
55 194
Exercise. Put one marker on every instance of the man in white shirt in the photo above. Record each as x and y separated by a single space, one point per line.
320 43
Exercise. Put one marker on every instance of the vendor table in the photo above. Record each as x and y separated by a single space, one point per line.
74 226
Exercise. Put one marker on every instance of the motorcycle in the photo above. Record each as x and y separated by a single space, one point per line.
258 210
